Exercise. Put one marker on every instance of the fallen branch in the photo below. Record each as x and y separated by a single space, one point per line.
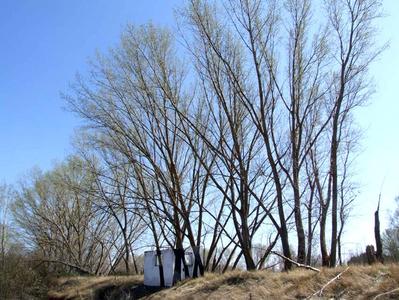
386 293
54 261
320 292
295 262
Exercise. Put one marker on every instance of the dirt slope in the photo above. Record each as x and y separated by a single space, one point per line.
357 282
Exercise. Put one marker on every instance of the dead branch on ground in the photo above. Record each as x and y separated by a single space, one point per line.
320 292
295 262
386 293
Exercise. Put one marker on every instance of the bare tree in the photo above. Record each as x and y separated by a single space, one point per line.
61 222
128 97
220 64
353 30
238 140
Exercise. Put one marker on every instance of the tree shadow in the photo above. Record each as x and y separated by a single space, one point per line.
127 292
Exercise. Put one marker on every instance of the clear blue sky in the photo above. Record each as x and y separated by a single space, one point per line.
45 42
378 163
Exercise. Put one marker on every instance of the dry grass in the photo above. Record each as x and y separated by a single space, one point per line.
88 287
359 282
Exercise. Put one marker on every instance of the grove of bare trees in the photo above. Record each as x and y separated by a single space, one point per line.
233 136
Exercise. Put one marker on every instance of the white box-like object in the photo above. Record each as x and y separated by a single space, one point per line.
151 267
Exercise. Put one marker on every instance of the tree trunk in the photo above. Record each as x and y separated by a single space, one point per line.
127 250
310 236
323 245
136 270
299 227
284 235
160 268
334 208
246 246
179 258
377 234
339 249
334 181
198 265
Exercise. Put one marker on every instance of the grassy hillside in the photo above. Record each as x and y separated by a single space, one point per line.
357 282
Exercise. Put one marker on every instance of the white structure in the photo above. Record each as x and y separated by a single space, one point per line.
151 267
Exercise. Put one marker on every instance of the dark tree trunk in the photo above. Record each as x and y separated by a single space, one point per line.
160 268
334 211
179 258
127 250
246 246
226 266
310 240
323 245
299 228
135 263
284 236
297 195
267 252
377 234
198 266
236 261
339 250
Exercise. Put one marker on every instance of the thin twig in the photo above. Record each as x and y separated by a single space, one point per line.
295 262
320 292
386 293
